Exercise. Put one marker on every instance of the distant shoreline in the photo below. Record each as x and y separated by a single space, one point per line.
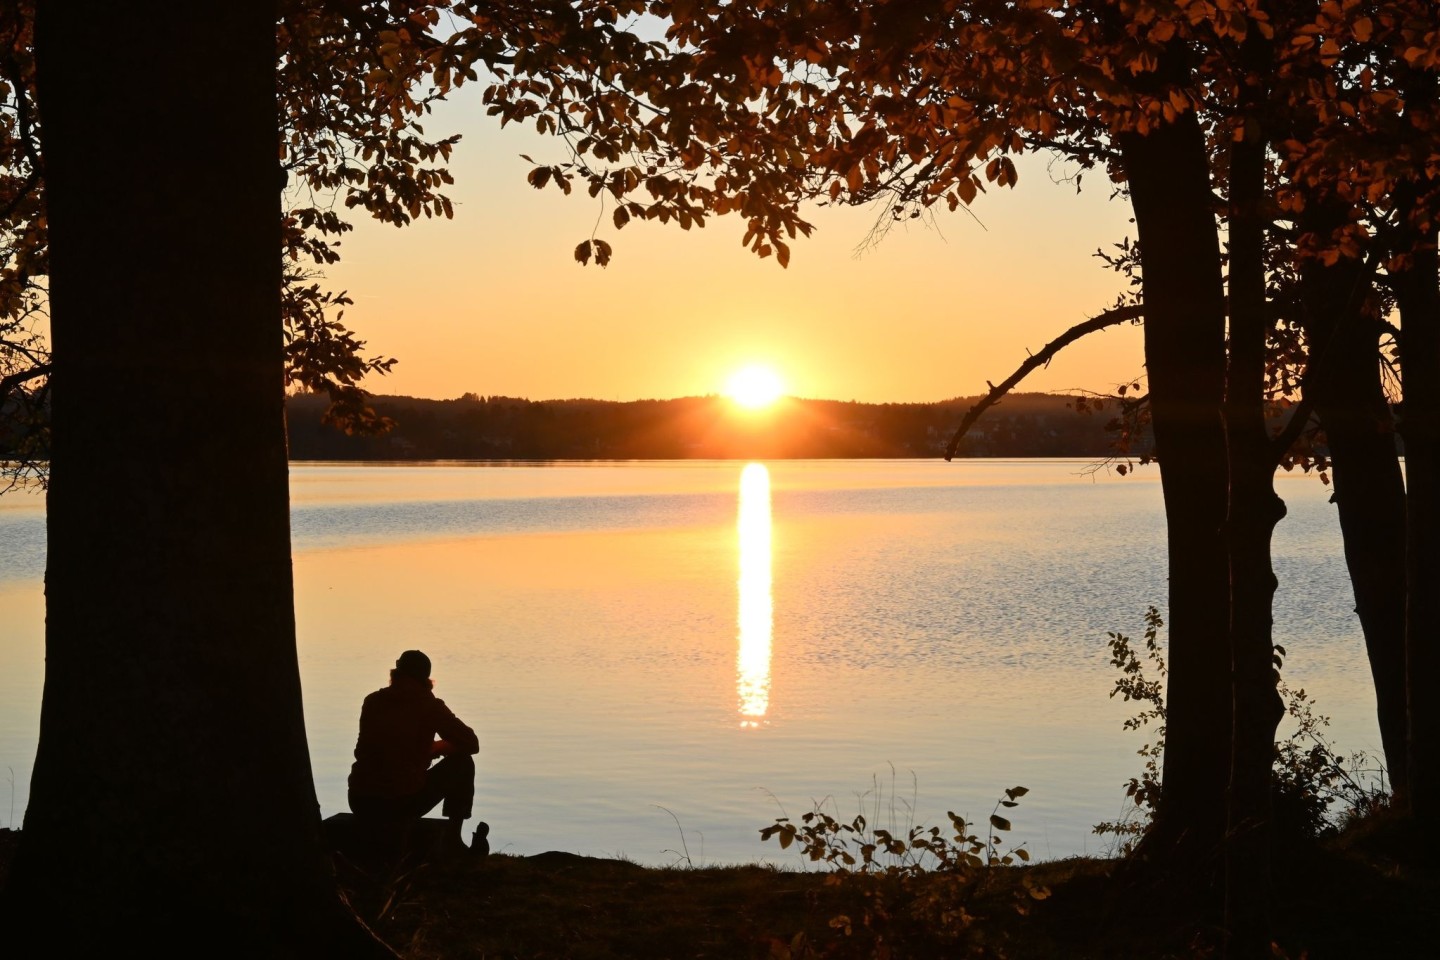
501 429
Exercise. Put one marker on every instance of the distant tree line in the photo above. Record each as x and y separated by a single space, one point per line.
476 427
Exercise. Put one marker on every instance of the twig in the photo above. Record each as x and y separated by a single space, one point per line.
684 852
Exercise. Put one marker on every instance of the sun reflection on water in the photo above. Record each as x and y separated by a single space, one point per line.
756 604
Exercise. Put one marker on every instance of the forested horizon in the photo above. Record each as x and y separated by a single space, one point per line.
707 427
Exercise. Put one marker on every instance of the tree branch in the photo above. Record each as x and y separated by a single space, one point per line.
15 379
1109 318
25 134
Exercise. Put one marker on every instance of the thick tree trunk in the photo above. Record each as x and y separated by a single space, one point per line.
1254 509
172 802
1349 400
1185 360
1419 301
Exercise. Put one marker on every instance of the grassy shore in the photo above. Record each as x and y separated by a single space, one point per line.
1366 894
1356 896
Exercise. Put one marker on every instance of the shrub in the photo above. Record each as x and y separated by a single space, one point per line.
1315 788
909 893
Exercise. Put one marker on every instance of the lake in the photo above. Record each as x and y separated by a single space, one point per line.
662 657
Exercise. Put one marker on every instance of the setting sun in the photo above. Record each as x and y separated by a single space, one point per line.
754 386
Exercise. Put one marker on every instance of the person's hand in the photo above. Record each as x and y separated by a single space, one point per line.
439 748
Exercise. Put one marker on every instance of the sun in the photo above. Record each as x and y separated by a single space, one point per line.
754 386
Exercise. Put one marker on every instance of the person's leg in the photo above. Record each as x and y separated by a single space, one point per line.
450 783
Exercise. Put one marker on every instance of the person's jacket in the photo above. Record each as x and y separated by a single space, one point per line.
398 725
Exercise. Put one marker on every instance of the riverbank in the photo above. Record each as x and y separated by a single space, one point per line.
1350 898
561 905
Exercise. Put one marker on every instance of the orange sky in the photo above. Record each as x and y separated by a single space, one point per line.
493 303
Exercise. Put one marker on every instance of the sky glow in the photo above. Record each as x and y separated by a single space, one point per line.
493 303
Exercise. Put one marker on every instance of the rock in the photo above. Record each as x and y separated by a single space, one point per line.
423 840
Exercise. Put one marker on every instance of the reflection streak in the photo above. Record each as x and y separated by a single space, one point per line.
756 603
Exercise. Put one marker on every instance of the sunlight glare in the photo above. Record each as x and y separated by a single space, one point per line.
754 386
756 603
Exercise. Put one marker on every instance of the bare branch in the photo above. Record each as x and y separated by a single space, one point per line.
1109 318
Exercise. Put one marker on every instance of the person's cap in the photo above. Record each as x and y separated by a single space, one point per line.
413 663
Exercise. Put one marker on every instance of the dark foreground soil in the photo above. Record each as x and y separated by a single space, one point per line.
1343 900
1365 896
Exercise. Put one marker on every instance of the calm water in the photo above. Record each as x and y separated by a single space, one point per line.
718 642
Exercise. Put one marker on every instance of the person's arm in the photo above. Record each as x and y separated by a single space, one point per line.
455 736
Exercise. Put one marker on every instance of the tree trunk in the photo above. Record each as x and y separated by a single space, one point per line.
1344 385
1169 182
1419 301
172 801
1254 509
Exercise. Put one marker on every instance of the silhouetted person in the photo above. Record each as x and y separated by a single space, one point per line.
403 727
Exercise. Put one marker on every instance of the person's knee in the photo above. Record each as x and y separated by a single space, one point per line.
457 768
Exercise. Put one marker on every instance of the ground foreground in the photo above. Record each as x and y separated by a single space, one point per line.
1354 899
1342 900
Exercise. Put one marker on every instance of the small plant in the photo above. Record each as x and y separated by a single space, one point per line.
911 893
1143 790
822 838
1312 779
683 854
1309 776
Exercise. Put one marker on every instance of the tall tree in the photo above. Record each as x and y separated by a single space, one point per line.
1253 509
172 795
1364 160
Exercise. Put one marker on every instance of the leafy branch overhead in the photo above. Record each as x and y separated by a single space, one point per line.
356 81
758 109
